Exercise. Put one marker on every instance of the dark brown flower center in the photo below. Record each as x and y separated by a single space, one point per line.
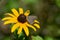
22 18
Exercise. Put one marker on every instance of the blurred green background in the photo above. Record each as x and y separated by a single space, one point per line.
47 11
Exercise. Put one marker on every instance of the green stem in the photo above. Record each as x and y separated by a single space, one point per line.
22 36
17 36
27 37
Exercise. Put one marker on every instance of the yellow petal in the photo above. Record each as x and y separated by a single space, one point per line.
20 10
31 26
27 13
15 12
37 25
6 18
9 21
26 30
10 14
14 27
36 21
14 19
19 30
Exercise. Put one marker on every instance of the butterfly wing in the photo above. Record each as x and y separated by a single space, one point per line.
31 19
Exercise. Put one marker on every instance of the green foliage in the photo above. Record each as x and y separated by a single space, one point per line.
7 38
30 1
58 3
37 38
13 4
48 38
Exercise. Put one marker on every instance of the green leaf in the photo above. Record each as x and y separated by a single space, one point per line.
37 38
48 38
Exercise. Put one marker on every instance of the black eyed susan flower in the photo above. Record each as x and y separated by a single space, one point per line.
20 21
